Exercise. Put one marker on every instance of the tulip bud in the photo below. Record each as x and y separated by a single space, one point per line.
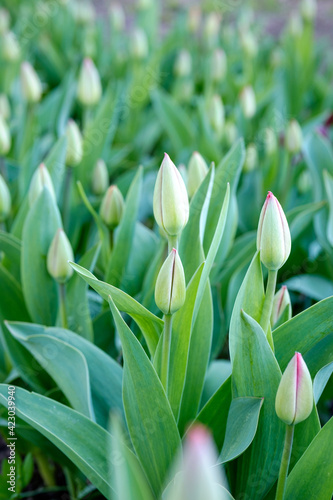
308 9
74 151
4 21
89 89
40 179
60 252
5 139
270 141
117 17
4 107
248 102
294 398
294 137
273 236
183 64
194 19
218 65
10 47
100 179
5 200
112 207
249 44
230 133
197 170
170 289
216 114
304 182
171 207
211 28
281 306
30 83
139 44
251 158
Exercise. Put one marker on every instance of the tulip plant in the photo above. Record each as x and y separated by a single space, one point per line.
165 319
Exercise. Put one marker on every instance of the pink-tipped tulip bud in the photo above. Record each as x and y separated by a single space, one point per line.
100 178
5 200
74 152
30 83
89 89
112 207
197 170
60 252
40 179
294 137
281 306
170 289
248 102
273 236
171 207
5 138
294 398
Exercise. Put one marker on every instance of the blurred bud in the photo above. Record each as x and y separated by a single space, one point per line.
30 83
294 398
60 252
112 207
248 102
216 114
246 18
308 9
304 182
143 5
4 107
4 21
74 150
211 28
218 65
5 200
197 170
117 16
251 158
170 289
139 44
294 137
273 236
83 12
5 139
230 133
100 178
40 179
270 141
171 207
249 43
281 306
295 25
10 47
194 19
89 89
183 64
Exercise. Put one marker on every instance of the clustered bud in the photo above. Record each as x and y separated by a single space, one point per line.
216 114
89 89
251 158
183 64
218 66
197 170
170 289
60 252
112 207
248 102
74 150
139 44
30 83
294 137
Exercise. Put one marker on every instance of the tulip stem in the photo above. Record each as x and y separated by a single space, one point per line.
288 444
62 305
172 243
166 350
268 304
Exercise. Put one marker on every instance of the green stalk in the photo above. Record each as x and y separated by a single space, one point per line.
44 469
268 304
288 444
62 305
166 350
172 243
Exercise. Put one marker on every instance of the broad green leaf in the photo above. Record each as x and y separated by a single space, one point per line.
217 373
313 286
147 409
320 380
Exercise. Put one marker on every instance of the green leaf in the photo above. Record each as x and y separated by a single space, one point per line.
241 428
144 397
321 379
12 303
311 285
55 163
11 246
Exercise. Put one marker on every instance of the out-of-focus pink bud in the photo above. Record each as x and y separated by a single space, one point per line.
248 101
281 306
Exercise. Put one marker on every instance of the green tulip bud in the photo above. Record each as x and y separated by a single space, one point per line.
294 398
171 207
83 12
248 102
183 64
281 306
230 133
74 151
5 139
100 178
216 114
211 28
4 107
273 236
139 44
117 17
170 289
5 200
251 158
197 170
249 43
294 137
4 21
60 252
112 207
10 47
89 89
218 65
304 182
270 141
40 179
308 9
30 83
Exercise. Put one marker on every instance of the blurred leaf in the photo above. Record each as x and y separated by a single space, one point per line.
311 285
320 381
11 246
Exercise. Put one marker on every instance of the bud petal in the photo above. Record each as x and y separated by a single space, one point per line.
197 170
40 179
218 65
60 252
273 236
30 82
294 398
309 9
171 208
248 102
183 64
294 137
4 107
211 28
5 139
112 207
74 151
251 158
10 47
281 305
89 89
194 19
100 179
249 43
139 44
170 289
5 200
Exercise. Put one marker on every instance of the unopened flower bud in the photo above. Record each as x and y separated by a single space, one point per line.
309 9
294 398
230 133
183 64
281 306
216 114
197 170
100 178
74 150
218 65
248 101
194 19
294 137
171 207
4 21
143 5
211 28
5 139
170 289
5 200
10 47
249 44
304 182
270 141
30 83
40 179
112 207
4 107
273 236
251 158
117 17
60 252
139 44
89 89
83 12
